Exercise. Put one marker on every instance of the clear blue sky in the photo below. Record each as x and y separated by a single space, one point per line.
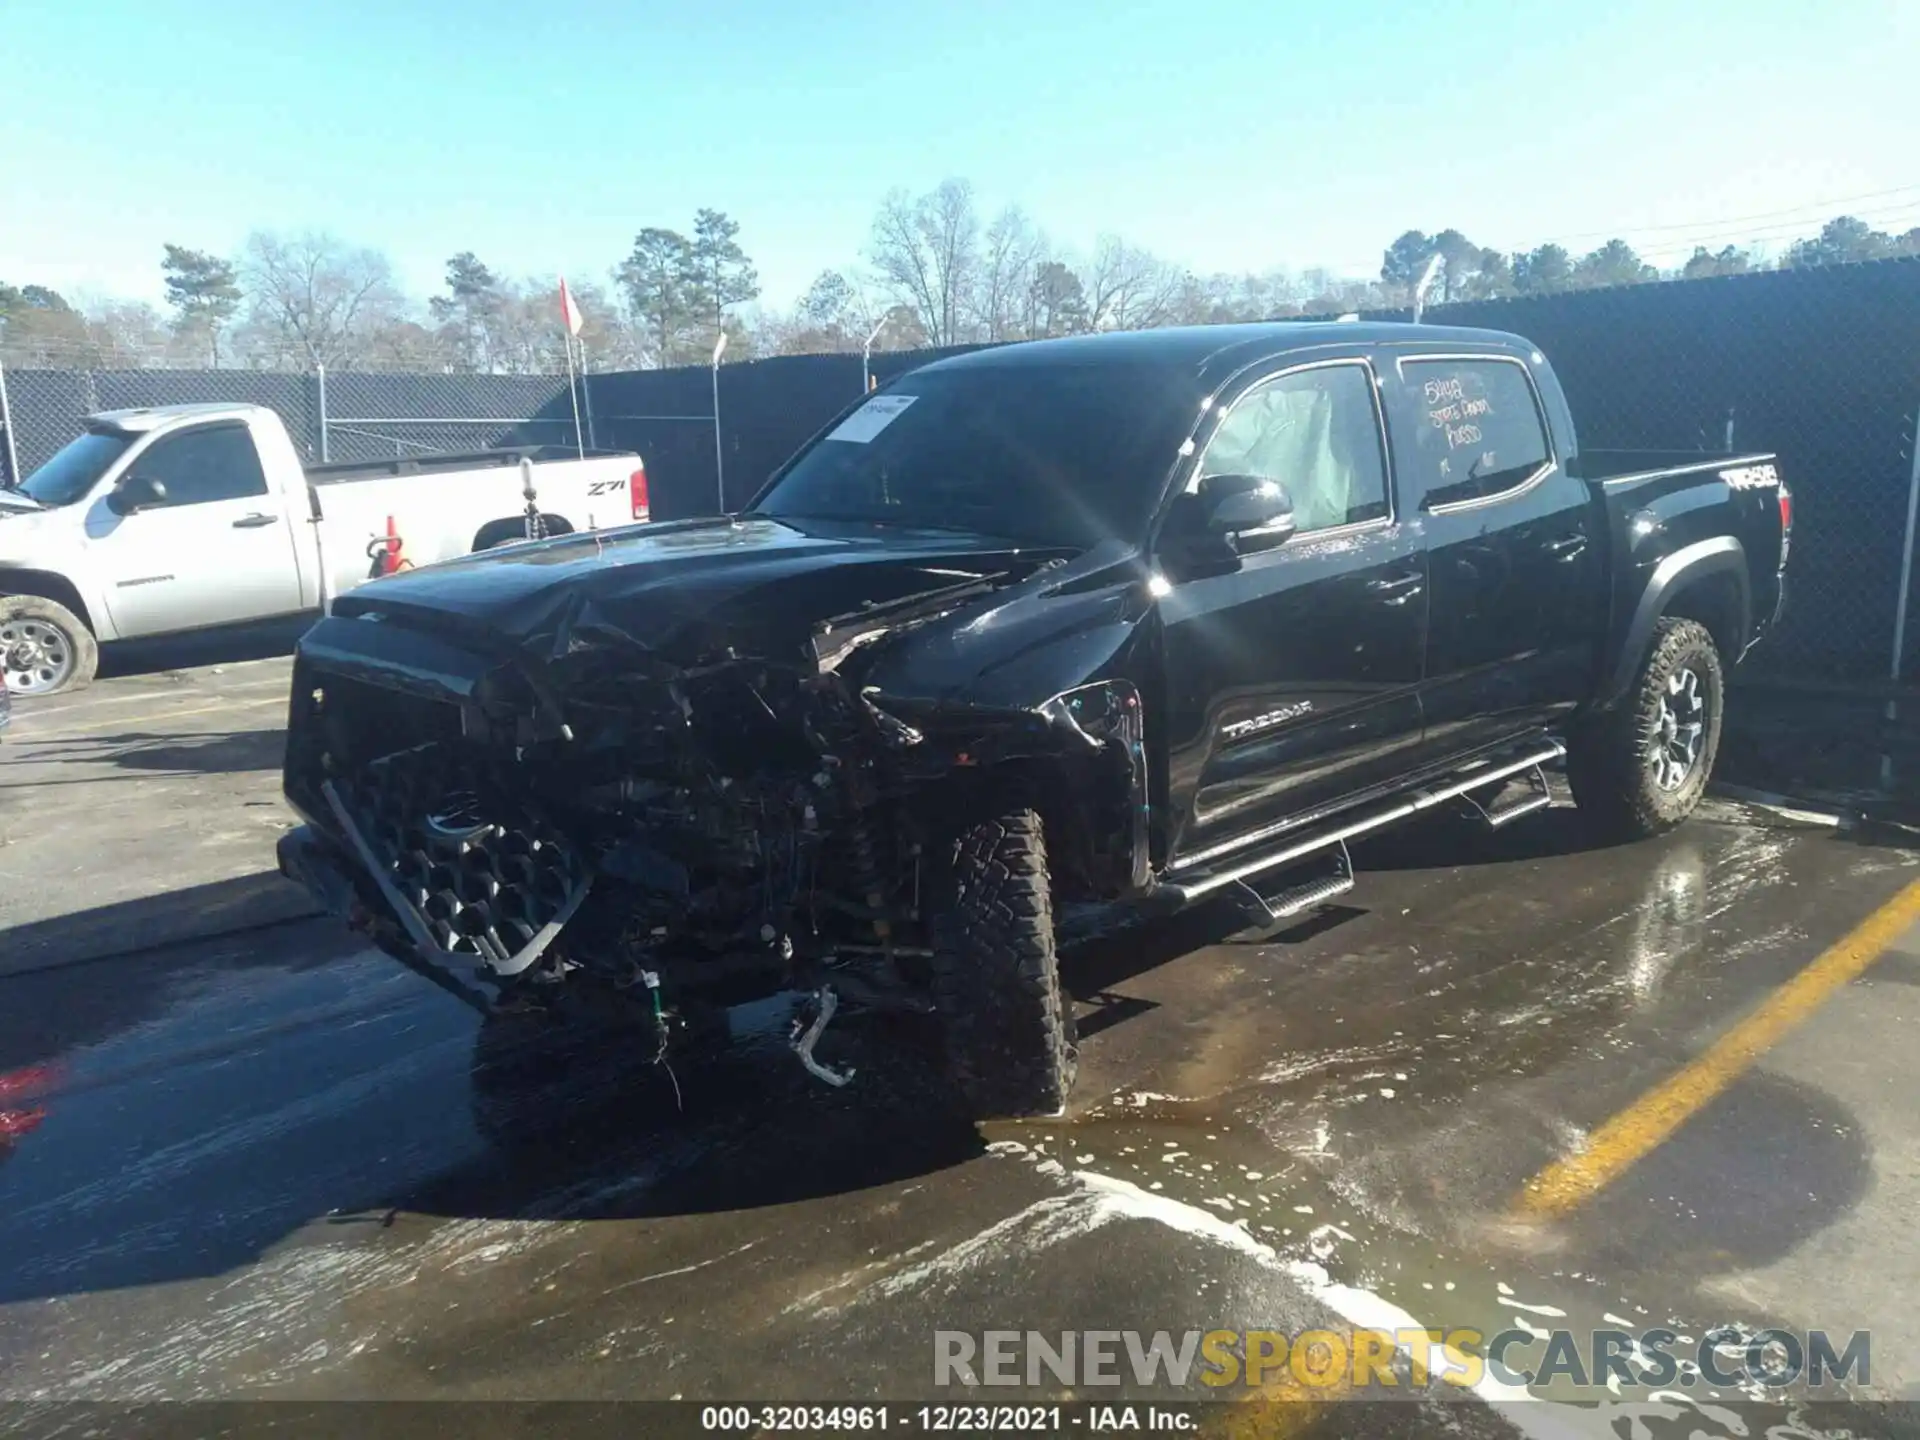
1226 134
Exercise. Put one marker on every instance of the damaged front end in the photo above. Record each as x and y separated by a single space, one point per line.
700 831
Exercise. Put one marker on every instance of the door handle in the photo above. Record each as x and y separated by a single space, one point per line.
1568 547
255 521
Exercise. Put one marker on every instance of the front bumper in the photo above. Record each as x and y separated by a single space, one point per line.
307 860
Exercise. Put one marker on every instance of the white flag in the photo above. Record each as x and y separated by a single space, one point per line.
569 312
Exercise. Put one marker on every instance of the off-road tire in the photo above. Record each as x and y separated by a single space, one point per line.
1008 1025
84 648
1608 757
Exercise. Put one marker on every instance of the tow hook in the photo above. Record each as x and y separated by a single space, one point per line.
803 1040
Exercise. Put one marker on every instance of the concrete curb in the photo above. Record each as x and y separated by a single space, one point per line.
1843 813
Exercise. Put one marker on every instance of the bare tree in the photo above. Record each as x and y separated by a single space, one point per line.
127 335
1126 287
525 333
1055 303
1014 249
927 252
822 322
400 344
38 327
316 299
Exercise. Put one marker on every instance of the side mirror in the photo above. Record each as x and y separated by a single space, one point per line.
136 492
1247 508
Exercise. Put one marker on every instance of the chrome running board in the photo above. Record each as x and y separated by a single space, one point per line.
1185 892
1536 797
1286 903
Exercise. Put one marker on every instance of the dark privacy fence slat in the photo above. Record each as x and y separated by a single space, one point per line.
1821 365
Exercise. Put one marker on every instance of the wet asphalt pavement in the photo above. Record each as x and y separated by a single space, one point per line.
267 1163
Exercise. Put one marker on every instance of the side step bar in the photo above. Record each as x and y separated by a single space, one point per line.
1545 753
1286 903
1535 797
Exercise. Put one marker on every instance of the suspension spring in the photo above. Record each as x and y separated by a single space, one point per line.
866 868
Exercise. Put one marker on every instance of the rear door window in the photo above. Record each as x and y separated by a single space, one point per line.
215 463
1478 431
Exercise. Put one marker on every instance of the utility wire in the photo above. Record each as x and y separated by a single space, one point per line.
1720 222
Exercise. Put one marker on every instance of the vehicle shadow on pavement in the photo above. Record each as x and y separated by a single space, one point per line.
229 753
141 929
236 751
612 1135
1754 1177
1447 839
1767 1165
265 641
603 1134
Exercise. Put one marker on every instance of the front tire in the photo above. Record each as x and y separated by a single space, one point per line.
45 648
996 972
1642 768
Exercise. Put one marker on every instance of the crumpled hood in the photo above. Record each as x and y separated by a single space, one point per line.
679 590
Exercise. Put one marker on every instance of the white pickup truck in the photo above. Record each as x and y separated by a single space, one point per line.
190 517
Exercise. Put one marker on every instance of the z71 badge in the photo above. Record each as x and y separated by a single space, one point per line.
1240 729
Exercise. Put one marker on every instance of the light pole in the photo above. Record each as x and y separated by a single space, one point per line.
866 356
719 461
1425 283
13 477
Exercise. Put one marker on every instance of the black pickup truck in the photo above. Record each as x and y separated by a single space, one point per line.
1137 619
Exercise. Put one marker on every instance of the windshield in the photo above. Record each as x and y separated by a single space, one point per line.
1047 455
71 473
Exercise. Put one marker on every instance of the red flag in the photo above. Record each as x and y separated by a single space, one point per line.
569 312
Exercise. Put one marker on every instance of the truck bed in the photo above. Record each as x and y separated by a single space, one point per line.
345 472
1620 466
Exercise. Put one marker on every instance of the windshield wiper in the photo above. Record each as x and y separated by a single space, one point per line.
891 524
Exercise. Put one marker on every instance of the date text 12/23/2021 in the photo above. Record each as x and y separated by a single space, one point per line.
949 1419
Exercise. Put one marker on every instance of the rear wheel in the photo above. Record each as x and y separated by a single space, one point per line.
44 647
996 973
1641 768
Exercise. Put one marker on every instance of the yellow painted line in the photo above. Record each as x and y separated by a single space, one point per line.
51 733
1276 1411
116 691
1640 1128
1284 1406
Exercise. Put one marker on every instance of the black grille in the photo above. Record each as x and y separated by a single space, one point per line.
485 887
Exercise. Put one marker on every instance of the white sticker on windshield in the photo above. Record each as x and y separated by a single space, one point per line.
871 418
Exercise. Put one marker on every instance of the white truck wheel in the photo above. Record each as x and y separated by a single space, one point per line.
44 647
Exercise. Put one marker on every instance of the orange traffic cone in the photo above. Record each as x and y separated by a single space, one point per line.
383 551
395 562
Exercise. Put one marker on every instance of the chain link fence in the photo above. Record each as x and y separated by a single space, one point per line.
45 407
372 416
337 417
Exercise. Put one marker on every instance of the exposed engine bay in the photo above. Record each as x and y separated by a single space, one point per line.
699 834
